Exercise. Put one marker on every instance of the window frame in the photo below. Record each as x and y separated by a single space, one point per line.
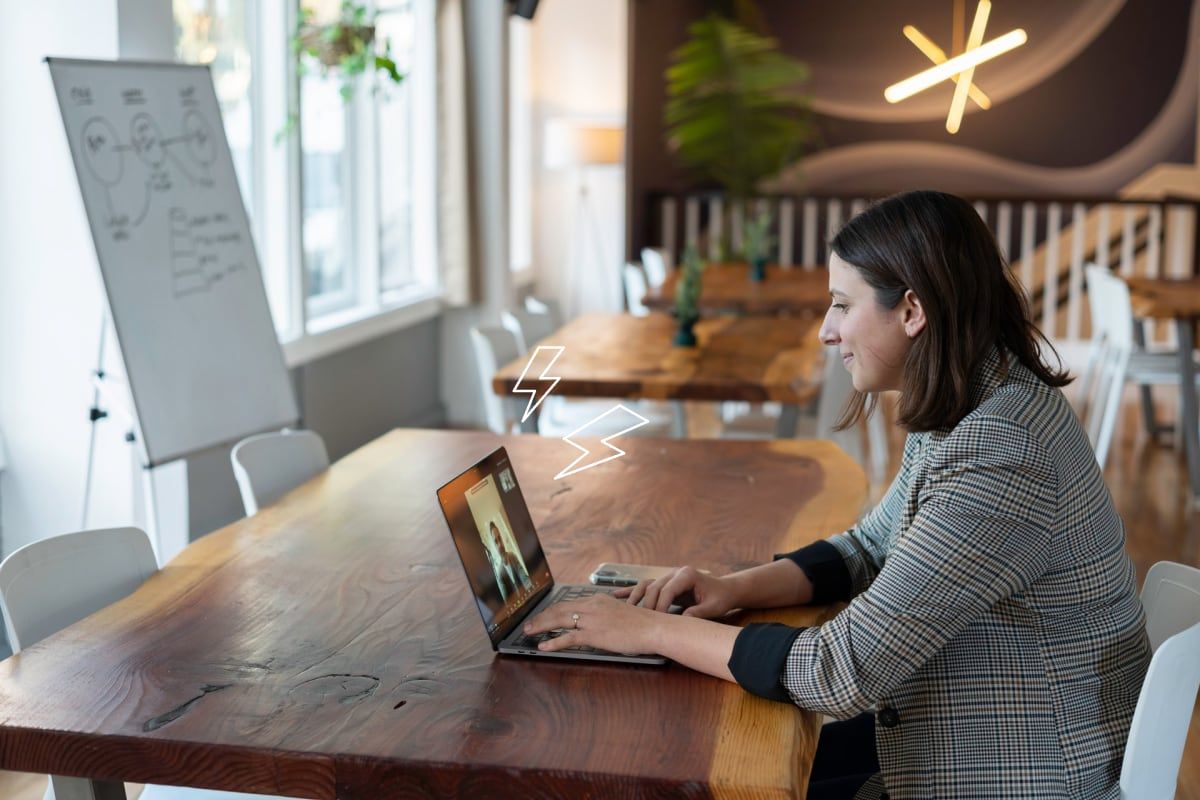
310 328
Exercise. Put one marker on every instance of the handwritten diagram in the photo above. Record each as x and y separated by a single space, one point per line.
130 187
196 239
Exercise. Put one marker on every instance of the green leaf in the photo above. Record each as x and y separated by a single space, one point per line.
735 111
388 67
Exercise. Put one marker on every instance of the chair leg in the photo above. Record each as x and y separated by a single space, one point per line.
1148 415
65 788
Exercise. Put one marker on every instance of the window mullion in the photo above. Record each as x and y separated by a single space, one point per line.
365 195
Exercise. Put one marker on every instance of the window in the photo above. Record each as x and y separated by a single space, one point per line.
342 198
220 37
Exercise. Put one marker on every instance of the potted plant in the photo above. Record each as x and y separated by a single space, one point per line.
756 244
736 113
345 47
687 298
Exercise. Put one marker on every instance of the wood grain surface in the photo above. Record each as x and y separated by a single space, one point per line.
755 359
727 288
1165 297
329 646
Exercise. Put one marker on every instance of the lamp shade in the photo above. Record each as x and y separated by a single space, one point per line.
573 143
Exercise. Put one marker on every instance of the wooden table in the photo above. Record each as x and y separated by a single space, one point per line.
1178 300
329 646
753 359
727 288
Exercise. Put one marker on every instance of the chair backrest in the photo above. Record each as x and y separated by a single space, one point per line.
635 289
657 263
49 584
544 305
270 465
836 389
494 347
1110 305
530 327
1171 597
1112 344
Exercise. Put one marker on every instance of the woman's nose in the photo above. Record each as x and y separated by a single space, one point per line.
828 333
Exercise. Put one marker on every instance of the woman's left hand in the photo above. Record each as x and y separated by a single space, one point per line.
602 622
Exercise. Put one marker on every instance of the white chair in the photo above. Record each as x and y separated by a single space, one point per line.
52 583
270 465
1158 733
496 346
544 305
1114 359
530 327
635 289
656 261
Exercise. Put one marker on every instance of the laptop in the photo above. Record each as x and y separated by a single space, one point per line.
505 565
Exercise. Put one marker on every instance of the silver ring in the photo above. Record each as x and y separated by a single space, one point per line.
575 619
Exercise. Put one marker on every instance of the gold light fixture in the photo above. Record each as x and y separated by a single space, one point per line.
960 68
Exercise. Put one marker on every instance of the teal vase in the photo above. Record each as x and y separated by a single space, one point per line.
758 269
685 334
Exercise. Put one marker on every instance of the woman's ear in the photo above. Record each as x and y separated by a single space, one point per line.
913 315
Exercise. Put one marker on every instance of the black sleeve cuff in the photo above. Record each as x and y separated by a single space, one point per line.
826 571
759 657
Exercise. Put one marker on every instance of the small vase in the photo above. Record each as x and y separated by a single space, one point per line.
758 269
685 334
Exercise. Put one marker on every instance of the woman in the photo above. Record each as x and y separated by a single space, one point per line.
993 625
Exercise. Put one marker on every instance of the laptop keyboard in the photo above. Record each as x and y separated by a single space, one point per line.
564 593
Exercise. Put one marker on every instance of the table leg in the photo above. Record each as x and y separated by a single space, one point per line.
678 420
789 416
1188 418
517 408
83 789
1148 416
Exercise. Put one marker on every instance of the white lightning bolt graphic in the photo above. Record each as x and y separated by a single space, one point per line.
534 400
571 469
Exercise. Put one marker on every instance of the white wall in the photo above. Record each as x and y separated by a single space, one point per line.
579 71
51 299
50 296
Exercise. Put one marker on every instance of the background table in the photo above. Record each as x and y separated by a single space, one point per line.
1179 300
727 288
752 359
329 646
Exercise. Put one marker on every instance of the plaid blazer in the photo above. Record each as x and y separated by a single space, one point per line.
993 626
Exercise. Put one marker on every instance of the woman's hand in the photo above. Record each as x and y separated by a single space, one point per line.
712 596
598 621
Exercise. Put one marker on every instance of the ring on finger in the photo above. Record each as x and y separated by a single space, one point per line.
575 620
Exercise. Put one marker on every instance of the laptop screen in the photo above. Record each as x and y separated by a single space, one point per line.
494 535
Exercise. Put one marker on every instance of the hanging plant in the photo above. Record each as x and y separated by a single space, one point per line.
345 47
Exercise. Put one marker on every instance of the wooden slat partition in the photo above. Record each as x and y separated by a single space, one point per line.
1047 241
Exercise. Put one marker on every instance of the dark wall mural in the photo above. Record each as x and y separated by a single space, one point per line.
1102 92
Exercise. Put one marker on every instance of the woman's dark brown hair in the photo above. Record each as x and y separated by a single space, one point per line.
936 245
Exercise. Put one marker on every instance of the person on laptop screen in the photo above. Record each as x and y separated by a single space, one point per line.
993 625
506 564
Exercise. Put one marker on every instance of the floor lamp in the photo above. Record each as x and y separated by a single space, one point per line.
583 145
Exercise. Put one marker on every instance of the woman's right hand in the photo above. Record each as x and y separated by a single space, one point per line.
713 597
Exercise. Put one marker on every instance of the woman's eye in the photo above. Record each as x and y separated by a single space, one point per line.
840 306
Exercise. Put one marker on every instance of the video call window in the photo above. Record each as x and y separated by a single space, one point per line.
494 535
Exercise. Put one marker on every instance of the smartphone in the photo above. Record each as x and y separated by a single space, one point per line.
610 574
